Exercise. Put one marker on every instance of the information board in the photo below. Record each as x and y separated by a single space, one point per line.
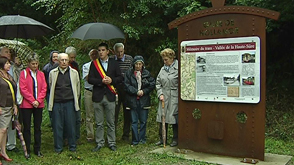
221 70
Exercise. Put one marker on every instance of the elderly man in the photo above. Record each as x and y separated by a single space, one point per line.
14 72
63 102
125 62
88 97
104 74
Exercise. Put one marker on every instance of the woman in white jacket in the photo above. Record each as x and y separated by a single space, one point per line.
167 92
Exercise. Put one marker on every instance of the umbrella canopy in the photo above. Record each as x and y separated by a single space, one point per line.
98 30
16 26
22 49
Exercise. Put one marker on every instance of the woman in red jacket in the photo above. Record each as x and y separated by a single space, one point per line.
33 88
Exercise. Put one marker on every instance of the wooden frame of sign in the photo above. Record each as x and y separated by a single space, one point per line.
227 118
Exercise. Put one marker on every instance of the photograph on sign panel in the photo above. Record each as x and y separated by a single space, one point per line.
201 60
248 58
231 80
248 81
201 68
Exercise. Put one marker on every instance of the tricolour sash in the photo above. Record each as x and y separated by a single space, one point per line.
102 74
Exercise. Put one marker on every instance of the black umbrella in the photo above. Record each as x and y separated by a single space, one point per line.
98 30
16 26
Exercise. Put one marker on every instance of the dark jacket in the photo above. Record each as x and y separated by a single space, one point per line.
47 68
4 87
99 88
131 88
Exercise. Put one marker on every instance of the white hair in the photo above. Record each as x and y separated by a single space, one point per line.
118 45
70 50
62 54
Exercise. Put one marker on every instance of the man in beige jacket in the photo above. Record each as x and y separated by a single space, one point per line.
63 102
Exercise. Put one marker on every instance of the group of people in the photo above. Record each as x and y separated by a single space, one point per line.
109 83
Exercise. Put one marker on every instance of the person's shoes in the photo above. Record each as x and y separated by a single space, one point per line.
39 154
159 143
134 144
5 158
73 150
113 148
97 148
15 149
174 143
58 152
28 156
90 140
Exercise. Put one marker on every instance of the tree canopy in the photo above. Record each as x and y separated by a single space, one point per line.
144 23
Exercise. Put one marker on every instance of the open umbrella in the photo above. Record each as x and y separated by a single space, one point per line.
16 26
22 49
98 30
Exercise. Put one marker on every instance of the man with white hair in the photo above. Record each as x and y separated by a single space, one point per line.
72 53
63 102
125 62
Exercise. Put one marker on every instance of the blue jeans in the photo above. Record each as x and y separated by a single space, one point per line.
139 115
64 120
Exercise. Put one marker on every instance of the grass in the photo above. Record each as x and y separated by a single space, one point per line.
279 140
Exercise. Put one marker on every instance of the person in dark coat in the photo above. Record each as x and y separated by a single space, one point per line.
104 75
138 86
53 63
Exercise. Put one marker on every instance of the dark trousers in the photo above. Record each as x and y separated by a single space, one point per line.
175 132
64 120
26 117
49 112
126 113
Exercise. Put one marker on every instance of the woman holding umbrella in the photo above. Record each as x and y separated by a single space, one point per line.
7 104
33 88
167 92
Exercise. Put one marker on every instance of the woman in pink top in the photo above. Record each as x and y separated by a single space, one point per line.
33 87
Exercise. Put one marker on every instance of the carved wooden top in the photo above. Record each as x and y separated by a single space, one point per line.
218 3
225 10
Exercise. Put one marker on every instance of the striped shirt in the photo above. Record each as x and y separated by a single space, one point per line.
125 63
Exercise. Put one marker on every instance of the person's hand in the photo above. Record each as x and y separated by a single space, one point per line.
161 98
107 80
15 110
0 111
140 93
35 104
17 61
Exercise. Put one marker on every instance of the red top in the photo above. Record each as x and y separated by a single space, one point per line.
27 91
